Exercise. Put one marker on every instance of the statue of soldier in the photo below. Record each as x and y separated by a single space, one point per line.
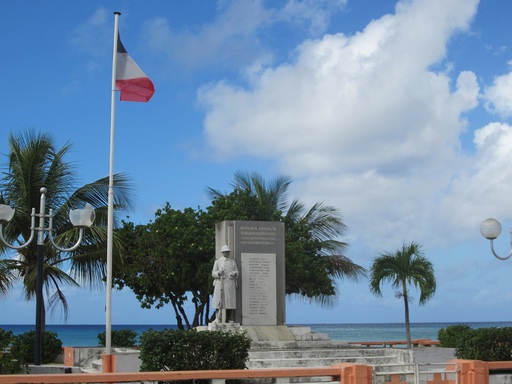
225 274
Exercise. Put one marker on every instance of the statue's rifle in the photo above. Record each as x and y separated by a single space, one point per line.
222 298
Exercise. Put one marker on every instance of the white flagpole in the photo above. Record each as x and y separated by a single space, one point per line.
110 223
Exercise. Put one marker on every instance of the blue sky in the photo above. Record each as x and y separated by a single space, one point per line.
398 113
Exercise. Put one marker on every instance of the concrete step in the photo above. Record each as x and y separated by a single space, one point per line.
323 344
89 370
306 334
317 362
285 380
93 366
301 344
316 353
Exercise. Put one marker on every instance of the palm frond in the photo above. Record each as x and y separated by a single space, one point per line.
56 299
7 277
214 193
342 267
295 210
325 301
57 277
405 266
34 162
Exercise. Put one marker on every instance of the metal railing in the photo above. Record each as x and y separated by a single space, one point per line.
411 373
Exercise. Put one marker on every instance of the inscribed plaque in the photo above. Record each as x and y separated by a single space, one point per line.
259 302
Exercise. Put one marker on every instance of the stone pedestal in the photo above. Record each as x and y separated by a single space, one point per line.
224 327
269 333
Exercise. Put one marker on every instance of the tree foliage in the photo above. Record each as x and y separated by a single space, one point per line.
35 162
168 259
9 363
171 258
23 346
122 338
401 268
453 335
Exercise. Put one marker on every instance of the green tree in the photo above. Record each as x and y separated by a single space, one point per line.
35 162
314 259
404 267
169 261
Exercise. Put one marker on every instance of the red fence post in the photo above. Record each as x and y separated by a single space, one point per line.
108 363
69 356
355 373
472 371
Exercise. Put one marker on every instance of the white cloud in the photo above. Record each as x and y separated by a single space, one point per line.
481 188
232 39
362 121
316 13
498 97
86 36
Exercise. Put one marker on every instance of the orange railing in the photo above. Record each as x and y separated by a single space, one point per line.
468 372
333 372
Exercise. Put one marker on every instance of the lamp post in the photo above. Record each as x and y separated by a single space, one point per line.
80 218
491 229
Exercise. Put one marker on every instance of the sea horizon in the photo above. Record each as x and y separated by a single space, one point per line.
288 324
85 335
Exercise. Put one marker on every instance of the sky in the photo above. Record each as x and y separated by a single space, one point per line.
398 113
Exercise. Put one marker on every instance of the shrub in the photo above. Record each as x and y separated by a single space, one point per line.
9 364
486 344
450 336
23 346
186 350
120 338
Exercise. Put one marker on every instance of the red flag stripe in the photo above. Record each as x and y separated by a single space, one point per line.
131 81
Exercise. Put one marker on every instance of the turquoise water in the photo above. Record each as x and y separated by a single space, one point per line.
86 335
82 335
391 331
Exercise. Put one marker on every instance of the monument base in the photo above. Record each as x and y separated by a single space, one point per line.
224 327
254 332
266 337
268 333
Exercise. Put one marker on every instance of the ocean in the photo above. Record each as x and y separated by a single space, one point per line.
87 335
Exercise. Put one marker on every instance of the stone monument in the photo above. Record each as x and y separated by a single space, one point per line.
258 249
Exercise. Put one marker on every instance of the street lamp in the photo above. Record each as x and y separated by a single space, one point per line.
80 218
491 229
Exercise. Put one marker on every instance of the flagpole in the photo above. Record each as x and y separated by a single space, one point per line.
110 222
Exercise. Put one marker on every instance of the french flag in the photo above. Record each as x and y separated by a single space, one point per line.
131 81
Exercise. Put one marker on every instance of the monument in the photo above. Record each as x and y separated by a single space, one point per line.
258 250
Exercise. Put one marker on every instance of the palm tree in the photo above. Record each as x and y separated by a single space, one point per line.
6 277
320 226
405 266
34 162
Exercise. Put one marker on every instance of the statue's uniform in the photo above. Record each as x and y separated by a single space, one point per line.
228 285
